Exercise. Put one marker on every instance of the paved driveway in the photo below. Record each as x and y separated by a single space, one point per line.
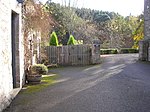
119 84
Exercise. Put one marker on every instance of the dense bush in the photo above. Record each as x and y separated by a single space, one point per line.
71 41
53 39
38 69
128 50
115 51
109 51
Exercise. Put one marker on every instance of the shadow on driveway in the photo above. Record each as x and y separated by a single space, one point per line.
120 84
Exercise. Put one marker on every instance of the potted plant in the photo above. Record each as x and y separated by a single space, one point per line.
35 73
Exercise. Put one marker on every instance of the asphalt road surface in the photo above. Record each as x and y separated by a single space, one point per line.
120 84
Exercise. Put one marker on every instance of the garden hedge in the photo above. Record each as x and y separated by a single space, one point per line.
128 50
121 51
108 51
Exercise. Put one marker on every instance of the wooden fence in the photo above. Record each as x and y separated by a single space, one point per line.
69 55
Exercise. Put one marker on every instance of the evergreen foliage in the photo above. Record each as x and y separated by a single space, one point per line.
53 39
39 69
71 41
114 30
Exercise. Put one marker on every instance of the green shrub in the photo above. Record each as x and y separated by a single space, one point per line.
109 51
53 39
115 51
71 41
39 69
129 50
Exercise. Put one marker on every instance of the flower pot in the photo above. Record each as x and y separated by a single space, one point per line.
34 79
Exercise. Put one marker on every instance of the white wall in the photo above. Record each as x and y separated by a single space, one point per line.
6 83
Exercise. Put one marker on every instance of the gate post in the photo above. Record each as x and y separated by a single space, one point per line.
144 50
95 59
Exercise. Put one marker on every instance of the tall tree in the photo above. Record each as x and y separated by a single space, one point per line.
138 34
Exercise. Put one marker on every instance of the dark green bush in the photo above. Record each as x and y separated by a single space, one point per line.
115 51
71 41
39 69
128 50
109 51
53 39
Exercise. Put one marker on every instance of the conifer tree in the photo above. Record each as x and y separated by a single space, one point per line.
53 39
71 40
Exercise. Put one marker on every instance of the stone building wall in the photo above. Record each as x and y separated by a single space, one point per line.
144 45
7 89
147 19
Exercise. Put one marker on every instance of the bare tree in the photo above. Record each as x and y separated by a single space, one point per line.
36 22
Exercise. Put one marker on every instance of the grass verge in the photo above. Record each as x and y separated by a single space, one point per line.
46 81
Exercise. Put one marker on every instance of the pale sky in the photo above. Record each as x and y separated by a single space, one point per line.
123 7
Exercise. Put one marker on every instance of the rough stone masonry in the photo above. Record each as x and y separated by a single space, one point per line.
7 90
144 45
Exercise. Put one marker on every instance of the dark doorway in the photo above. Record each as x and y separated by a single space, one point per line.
15 49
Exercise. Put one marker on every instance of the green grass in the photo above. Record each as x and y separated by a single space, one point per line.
46 81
